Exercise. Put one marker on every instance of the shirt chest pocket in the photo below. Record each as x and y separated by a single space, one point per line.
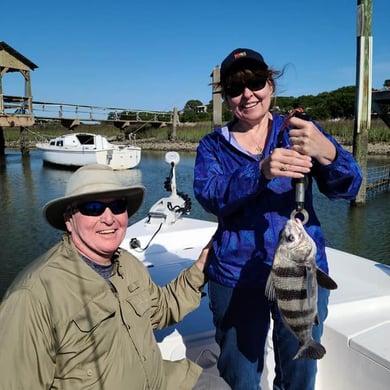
138 299
94 314
89 334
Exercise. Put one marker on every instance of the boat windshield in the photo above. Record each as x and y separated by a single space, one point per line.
86 139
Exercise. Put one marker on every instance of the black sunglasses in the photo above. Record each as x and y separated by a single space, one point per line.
96 208
236 89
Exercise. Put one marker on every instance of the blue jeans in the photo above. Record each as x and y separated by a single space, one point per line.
242 320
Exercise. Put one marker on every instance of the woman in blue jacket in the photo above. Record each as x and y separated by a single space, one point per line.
243 175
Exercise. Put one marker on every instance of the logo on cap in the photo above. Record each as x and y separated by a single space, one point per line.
239 55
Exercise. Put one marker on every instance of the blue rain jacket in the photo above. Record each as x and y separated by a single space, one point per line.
252 210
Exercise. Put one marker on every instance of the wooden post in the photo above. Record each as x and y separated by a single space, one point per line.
175 121
217 98
2 142
1 93
28 92
362 122
23 141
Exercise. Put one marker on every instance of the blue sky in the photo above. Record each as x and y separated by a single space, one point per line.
156 55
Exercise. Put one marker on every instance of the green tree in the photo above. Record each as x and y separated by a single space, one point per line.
345 99
191 112
192 105
339 103
283 104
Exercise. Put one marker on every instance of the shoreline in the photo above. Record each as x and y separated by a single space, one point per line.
380 149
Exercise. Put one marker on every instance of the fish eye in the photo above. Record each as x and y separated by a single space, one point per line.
290 238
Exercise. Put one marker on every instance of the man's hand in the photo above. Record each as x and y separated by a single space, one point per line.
202 259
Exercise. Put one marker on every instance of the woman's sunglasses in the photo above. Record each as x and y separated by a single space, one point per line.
96 208
237 88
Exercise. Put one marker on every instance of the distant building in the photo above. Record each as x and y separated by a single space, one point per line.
200 109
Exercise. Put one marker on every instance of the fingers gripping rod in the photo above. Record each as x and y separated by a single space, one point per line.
300 184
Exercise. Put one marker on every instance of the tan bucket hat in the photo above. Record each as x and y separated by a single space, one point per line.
89 183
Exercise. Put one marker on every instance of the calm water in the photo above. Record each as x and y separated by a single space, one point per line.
26 185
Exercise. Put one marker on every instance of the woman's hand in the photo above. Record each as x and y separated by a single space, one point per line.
306 142
306 139
285 163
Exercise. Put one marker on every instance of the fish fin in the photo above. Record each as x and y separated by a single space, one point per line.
325 281
310 350
270 289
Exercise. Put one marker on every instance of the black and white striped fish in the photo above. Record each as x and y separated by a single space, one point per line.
293 283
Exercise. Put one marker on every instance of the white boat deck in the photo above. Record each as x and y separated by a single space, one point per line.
356 331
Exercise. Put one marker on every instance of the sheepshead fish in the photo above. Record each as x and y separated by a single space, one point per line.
293 283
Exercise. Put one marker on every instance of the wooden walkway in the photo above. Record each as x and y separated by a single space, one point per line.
16 114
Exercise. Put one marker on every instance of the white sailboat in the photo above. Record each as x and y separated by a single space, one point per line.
78 149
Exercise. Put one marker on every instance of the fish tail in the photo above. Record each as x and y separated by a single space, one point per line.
310 350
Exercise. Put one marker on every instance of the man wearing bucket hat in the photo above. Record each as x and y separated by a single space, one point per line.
82 315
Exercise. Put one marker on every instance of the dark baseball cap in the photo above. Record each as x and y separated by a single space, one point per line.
238 57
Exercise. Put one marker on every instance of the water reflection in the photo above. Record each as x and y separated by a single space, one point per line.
362 230
26 185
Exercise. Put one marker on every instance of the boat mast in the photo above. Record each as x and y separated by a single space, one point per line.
362 121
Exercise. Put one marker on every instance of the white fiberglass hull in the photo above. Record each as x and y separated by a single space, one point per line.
118 157
68 158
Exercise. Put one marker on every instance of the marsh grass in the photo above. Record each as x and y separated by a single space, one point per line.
342 129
